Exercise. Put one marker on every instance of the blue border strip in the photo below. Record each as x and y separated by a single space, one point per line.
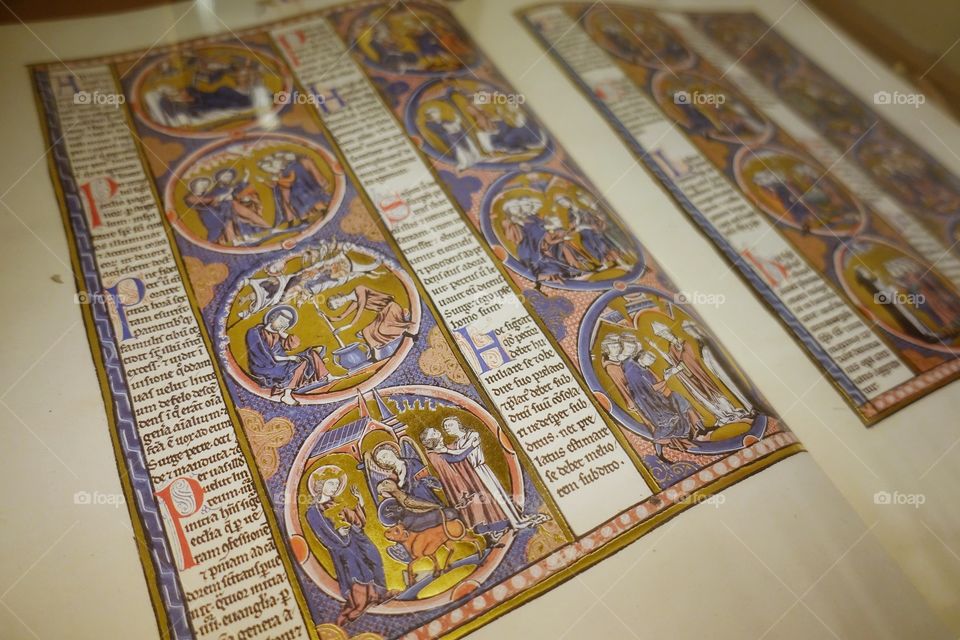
167 577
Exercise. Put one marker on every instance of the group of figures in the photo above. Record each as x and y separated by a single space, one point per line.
794 192
468 122
207 89
705 105
902 292
253 193
638 37
666 378
411 38
444 501
912 176
328 317
557 232
710 108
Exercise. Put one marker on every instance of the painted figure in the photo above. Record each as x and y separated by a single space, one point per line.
717 364
356 559
465 456
229 209
905 295
213 90
270 361
594 232
454 136
463 487
299 188
528 231
506 130
685 362
390 323
670 417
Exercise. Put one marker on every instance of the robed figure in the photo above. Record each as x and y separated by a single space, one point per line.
356 559
299 190
270 361
462 485
391 320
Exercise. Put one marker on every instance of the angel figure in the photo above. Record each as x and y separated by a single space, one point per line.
405 491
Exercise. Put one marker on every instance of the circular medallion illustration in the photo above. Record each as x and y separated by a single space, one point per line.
828 104
901 292
254 193
411 38
315 325
209 91
406 499
472 123
553 230
798 192
910 174
748 37
637 36
661 374
710 108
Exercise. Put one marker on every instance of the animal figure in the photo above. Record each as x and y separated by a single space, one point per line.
426 542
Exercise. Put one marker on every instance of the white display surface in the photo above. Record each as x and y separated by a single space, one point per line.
783 555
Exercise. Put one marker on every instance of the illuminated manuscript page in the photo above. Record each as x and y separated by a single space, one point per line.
445 382
826 107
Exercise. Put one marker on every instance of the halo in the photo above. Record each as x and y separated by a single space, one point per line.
229 170
380 445
323 473
284 307
194 180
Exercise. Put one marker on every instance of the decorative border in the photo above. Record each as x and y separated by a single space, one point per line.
153 547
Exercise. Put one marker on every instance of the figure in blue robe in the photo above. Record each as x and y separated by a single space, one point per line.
211 213
268 358
667 416
415 504
356 560
428 44
216 212
698 123
298 192
530 251
454 142
515 139
306 192
388 55
592 226
794 204
222 97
